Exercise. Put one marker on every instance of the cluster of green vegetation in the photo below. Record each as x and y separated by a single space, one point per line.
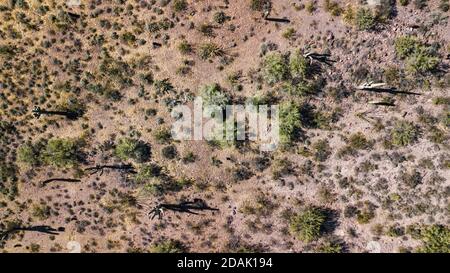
260 205
404 133
333 7
308 225
290 122
8 180
260 5
355 142
213 95
436 239
137 150
419 57
169 246
59 152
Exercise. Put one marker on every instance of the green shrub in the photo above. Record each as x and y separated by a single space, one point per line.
404 133
322 150
29 154
184 47
179 5
168 246
260 5
444 5
290 122
420 4
333 7
61 152
209 51
275 68
8 180
419 57
308 225
404 2
128 148
213 95
148 172
365 19
329 247
436 239
298 65
41 212
406 45
220 17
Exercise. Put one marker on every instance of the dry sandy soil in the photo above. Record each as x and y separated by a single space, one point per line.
379 191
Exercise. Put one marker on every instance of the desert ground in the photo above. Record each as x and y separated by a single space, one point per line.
358 169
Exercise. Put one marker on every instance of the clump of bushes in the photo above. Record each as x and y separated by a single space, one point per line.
275 68
209 51
168 246
137 150
355 143
418 56
436 239
404 133
179 5
290 122
333 7
260 5
8 180
59 152
148 172
308 225
365 19
213 95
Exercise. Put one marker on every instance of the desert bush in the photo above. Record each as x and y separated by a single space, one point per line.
179 5
169 152
365 19
444 5
333 7
128 148
418 56
404 133
147 172
220 17
168 246
260 5
29 154
404 2
420 4
209 51
290 122
436 239
322 150
308 225
298 65
59 152
259 205
329 247
8 180
275 68
213 95
41 211
184 47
